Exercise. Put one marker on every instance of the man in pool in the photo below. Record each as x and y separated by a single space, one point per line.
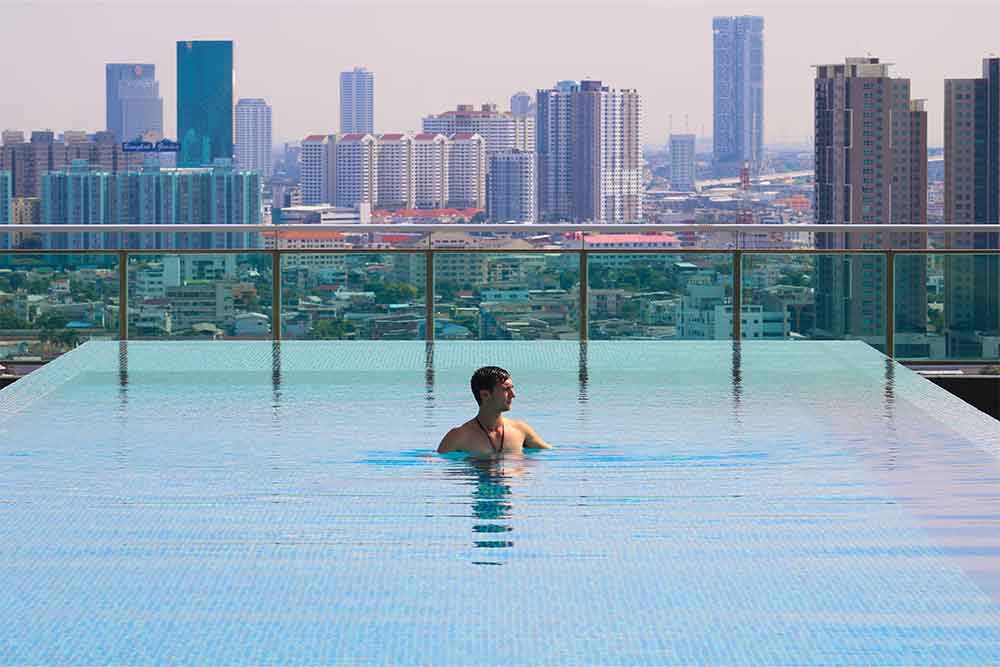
488 433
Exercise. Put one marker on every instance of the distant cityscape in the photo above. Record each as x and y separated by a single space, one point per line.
572 151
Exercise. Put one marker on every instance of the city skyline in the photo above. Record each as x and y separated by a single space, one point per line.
674 76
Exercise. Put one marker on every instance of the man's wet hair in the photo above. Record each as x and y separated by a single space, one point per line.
486 378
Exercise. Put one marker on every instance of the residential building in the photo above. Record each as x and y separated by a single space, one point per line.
396 184
589 153
871 168
972 196
204 101
738 94
466 171
430 168
6 191
212 195
522 104
357 101
133 106
356 169
253 136
510 187
25 211
502 131
318 169
682 169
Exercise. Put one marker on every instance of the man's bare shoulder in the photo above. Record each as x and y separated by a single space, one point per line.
454 440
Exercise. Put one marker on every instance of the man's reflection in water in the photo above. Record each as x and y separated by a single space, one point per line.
491 501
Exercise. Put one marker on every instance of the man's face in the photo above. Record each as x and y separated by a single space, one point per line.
501 397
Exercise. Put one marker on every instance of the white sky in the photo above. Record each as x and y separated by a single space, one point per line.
430 56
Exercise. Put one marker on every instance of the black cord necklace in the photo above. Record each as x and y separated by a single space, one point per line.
490 440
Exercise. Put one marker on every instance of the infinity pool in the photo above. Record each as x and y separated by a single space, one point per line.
232 503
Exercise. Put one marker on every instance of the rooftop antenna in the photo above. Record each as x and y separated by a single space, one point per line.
671 123
686 129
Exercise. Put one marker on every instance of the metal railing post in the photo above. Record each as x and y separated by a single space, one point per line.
737 295
890 304
429 294
275 294
122 295
584 299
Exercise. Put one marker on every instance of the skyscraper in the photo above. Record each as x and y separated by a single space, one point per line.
356 169
510 187
738 94
357 101
521 104
317 169
972 196
682 162
871 168
502 131
133 104
466 171
204 101
589 153
395 171
253 136
6 194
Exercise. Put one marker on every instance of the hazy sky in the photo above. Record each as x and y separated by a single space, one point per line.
430 56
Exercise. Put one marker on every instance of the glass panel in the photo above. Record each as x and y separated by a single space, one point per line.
200 296
506 296
51 303
961 295
819 297
353 295
660 296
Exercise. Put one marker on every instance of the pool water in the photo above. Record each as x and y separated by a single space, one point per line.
236 503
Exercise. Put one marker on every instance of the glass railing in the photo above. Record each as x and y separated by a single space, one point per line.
60 285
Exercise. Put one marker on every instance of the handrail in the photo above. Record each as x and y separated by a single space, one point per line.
404 227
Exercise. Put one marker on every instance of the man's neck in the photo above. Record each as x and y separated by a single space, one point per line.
489 419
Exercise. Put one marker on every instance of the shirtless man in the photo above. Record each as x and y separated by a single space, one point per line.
488 433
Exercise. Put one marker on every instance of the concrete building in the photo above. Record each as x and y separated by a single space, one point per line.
972 196
204 101
133 106
466 171
502 131
356 169
871 168
589 153
738 94
357 101
323 214
253 136
318 169
396 174
682 169
6 190
215 195
26 211
430 166
510 187
522 104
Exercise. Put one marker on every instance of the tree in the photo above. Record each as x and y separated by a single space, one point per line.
479 218
8 320
394 293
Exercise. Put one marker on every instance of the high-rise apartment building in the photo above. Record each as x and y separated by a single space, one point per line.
356 169
682 171
510 187
430 167
6 194
972 196
466 171
522 104
318 169
205 82
395 171
738 94
134 107
357 101
589 153
871 168
502 130
253 136
218 195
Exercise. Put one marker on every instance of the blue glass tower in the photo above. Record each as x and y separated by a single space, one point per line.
204 101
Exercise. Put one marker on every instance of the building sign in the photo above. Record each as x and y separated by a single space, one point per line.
161 146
